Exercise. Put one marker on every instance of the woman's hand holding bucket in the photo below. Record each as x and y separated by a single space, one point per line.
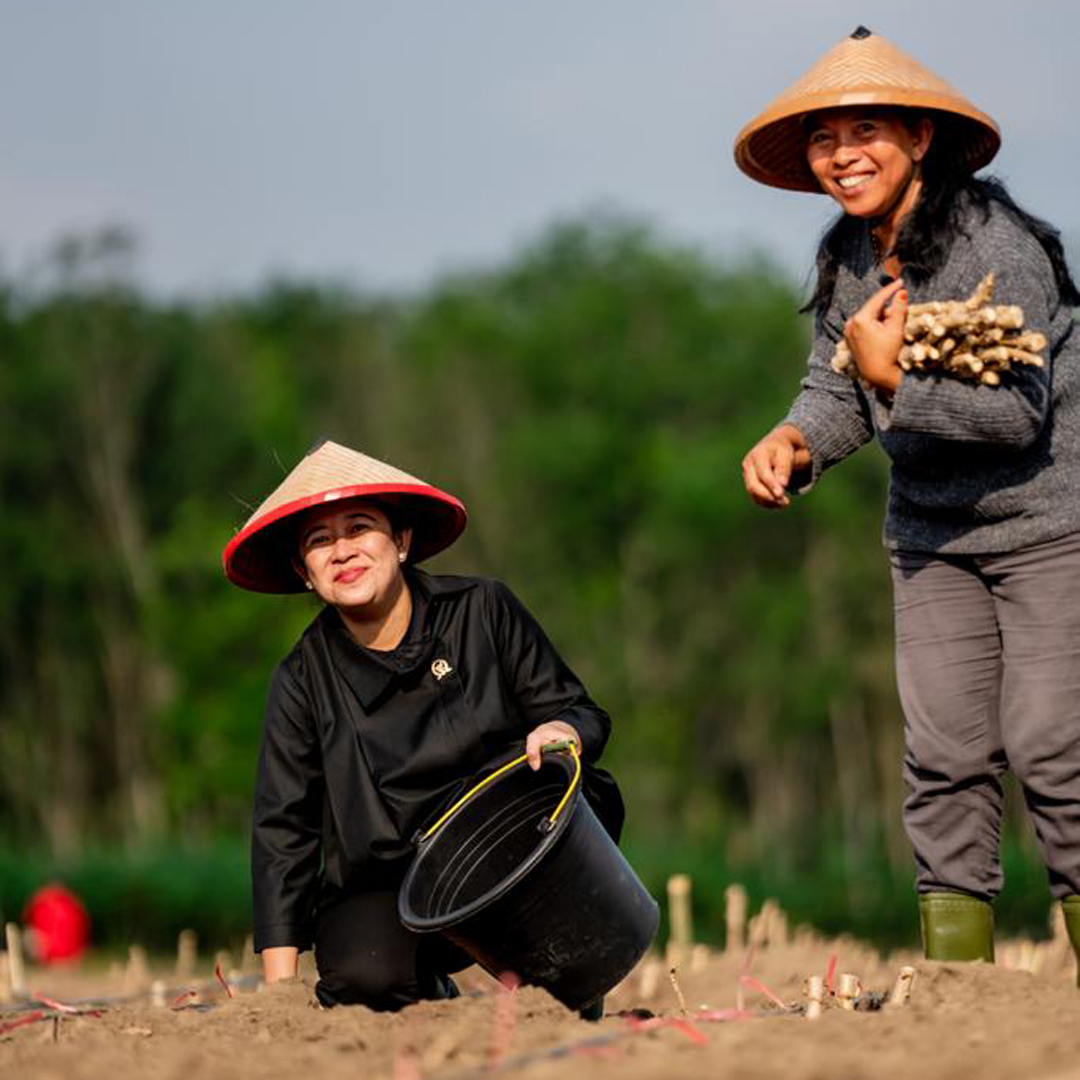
554 731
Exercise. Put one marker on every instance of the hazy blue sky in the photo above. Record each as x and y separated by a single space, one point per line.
385 142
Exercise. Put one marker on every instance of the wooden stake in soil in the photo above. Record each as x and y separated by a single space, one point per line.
650 979
848 989
779 931
735 918
16 964
815 996
248 958
187 954
901 989
681 927
678 991
137 972
769 926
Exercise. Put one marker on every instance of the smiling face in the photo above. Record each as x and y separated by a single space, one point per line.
868 161
352 557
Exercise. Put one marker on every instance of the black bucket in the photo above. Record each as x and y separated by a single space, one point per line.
527 882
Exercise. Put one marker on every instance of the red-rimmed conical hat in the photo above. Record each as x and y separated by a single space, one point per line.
259 556
864 69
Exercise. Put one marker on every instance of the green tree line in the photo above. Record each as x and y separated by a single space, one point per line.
590 400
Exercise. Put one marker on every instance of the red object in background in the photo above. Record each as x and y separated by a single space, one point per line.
60 925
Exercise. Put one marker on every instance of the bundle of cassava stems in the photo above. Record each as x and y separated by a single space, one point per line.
964 339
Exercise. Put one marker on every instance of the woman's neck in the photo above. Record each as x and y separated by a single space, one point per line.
384 629
886 229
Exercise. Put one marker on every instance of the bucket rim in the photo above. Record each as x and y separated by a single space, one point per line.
430 924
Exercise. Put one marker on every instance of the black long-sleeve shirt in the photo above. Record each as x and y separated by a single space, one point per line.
360 747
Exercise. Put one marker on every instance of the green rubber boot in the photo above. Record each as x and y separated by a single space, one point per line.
958 927
1071 906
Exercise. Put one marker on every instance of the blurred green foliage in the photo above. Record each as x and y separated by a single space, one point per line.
148 897
590 401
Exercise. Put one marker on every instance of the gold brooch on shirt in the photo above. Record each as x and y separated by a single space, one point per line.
440 669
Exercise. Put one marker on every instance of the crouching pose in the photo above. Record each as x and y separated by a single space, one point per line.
983 517
401 687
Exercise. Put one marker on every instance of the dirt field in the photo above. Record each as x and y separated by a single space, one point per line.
972 1020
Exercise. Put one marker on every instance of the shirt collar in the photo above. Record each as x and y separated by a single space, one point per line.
370 672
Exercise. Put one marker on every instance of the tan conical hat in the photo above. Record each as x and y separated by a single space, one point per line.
864 69
259 556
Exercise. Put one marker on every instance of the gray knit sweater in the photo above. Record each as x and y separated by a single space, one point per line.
975 469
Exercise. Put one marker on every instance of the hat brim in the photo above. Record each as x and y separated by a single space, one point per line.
260 556
772 147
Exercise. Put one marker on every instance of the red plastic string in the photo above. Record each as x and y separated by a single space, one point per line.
59 1006
221 979
33 1018
688 1029
740 998
761 988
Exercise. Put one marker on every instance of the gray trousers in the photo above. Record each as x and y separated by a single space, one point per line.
988 669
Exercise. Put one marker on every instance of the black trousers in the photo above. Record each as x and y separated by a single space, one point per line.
366 957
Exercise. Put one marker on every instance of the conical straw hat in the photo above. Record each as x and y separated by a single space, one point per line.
259 556
864 69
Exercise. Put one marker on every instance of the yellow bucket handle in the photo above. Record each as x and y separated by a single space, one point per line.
566 744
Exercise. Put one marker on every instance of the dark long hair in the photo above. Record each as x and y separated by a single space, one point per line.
933 226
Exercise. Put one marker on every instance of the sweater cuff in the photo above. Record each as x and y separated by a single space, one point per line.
825 443
280 935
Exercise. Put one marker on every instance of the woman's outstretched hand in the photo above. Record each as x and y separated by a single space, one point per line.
875 334
767 469
552 732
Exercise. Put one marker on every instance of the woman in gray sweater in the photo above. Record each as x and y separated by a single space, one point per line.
983 516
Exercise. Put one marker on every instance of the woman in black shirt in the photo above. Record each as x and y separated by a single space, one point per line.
404 685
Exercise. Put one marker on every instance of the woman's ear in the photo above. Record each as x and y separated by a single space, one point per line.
403 540
301 570
923 136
